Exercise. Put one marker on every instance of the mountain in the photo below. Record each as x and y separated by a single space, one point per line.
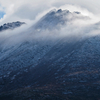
57 18
11 26
48 68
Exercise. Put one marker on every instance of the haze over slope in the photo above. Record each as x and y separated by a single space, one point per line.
60 49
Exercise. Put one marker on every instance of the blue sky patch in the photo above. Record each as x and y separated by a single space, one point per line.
2 14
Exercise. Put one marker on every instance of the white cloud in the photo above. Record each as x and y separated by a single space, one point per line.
29 9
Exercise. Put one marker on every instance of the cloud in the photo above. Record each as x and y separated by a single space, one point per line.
29 9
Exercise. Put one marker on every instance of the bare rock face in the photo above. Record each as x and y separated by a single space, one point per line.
11 26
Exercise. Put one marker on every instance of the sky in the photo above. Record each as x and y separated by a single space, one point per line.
2 14
30 10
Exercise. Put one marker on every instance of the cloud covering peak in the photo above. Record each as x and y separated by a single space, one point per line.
27 10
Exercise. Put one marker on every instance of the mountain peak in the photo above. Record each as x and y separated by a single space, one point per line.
59 11
56 18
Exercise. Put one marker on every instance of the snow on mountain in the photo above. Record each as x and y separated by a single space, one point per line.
57 18
70 64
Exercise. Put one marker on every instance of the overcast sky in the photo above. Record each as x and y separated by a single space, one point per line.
28 10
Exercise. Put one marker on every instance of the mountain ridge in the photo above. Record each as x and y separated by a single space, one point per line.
11 26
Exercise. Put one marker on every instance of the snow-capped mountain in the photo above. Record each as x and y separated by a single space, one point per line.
61 68
57 18
11 26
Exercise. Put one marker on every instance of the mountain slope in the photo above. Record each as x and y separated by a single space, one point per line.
63 68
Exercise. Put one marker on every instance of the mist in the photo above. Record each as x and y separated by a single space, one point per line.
31 12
